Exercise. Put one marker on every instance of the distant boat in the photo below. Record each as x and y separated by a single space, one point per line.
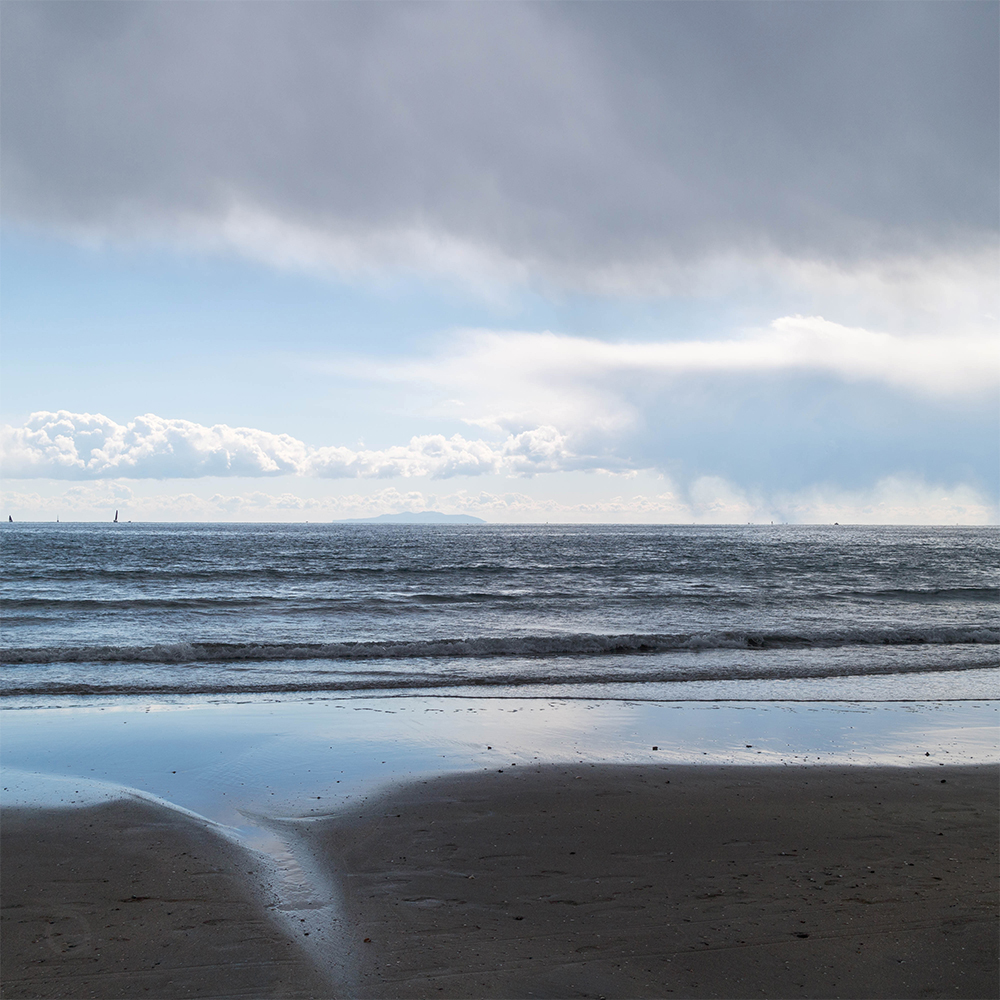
9 518
116 517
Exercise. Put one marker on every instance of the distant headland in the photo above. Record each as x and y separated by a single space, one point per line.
415 517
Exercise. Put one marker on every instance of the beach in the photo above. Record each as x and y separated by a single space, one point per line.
129 899
499 500
570 880
499 761
677 881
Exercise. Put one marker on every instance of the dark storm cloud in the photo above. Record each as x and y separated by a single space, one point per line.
566 137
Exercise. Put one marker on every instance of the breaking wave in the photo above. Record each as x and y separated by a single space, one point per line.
580 644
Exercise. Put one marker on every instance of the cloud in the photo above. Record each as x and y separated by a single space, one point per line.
593 145
892 500
801 401
710 500
540 449
68 445
508 380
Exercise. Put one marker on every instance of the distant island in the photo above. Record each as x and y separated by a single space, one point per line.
414 517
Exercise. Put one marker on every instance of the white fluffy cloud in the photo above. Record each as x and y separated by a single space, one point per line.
68 445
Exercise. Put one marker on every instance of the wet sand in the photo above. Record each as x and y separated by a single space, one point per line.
128 899
676 882
561 881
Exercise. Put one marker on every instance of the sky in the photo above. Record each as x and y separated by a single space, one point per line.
572 262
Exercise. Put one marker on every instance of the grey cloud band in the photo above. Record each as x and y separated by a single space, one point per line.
564 139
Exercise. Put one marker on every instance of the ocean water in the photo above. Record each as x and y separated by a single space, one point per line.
257 674
93 612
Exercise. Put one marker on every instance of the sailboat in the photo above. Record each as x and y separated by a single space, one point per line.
116 517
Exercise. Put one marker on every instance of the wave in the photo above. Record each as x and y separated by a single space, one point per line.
702 594
311 572
575 644
988 594
285 603
269 684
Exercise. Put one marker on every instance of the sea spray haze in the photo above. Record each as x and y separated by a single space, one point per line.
193 610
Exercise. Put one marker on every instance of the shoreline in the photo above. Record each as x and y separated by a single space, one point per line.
972 683
569 879
262 779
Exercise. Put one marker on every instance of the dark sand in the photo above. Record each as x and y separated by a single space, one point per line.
128 899
676 882
558 882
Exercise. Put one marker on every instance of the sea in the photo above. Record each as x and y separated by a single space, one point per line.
94 613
